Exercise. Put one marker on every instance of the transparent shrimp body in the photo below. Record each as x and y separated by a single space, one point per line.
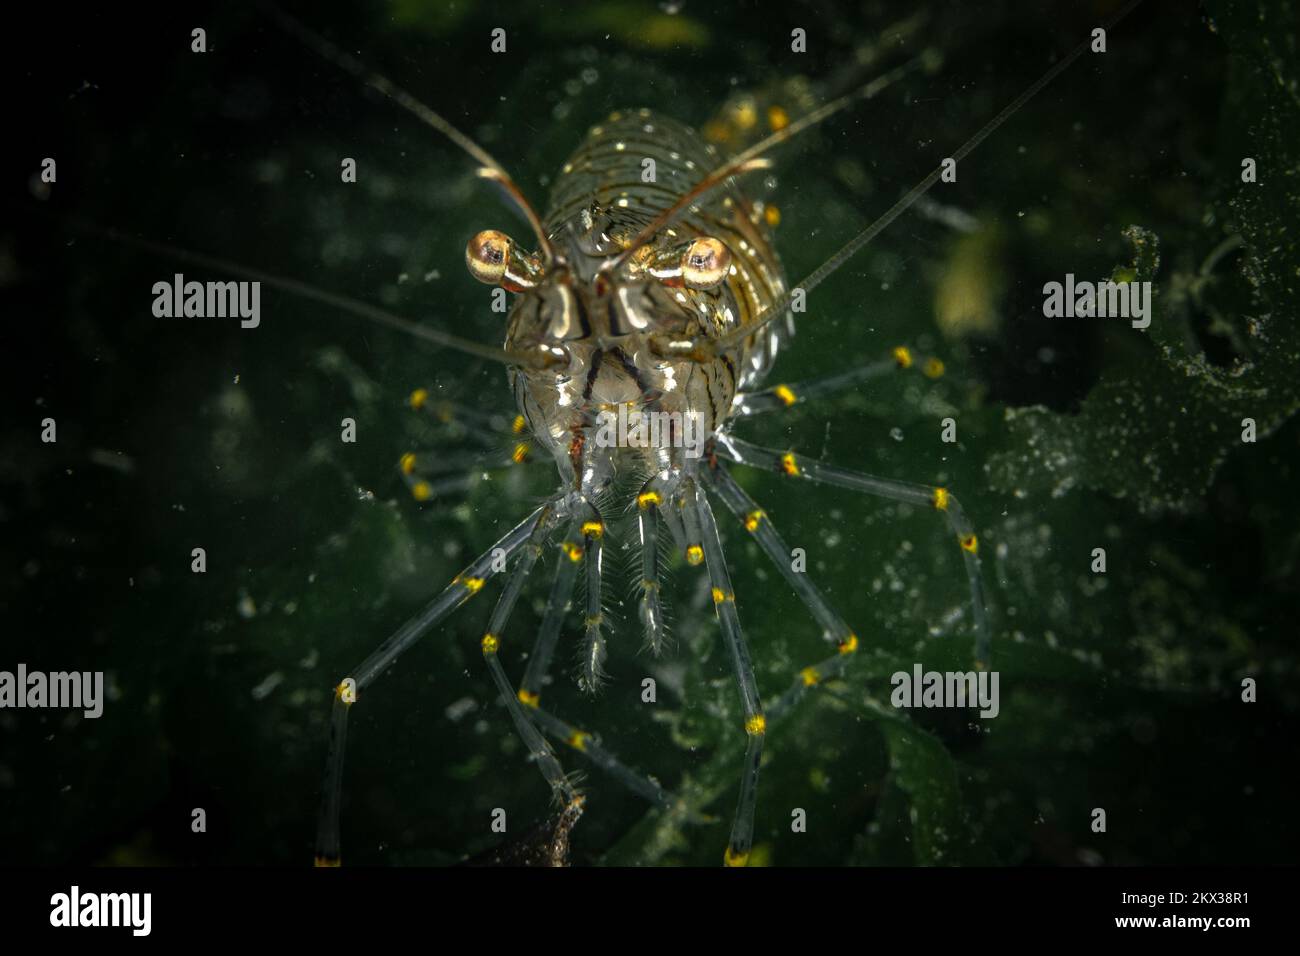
619 309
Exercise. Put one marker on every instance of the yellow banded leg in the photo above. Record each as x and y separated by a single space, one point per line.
783 396
537 746
926 496
463 420
757 523
649 606
557 606
686 505
594 651
585 744
466 584
432 475
328 851
812 677
724 599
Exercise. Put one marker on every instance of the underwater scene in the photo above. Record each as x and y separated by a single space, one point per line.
639 433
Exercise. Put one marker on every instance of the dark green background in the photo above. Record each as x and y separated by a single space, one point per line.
1118 691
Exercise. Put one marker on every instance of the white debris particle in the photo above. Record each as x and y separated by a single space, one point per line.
458 709
272 681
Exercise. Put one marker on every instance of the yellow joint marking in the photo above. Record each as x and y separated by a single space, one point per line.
578 740
789 465
421 491
648 585
756 725
520 453
346 691
328 861
969 543
940 498
734 858
720 595
934 368
694 554
777 118
753 518
407 463
529 699
593 621
772 215
518 425
490 644
573 551
648 498
593 528
419 397
903 356
809 676
472 585
849 644
786 394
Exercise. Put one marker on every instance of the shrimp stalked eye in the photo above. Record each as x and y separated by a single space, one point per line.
705 263
493 259
699 264
487 255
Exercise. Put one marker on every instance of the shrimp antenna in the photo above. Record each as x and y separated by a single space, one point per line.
542 358
849 249
490 168
753 158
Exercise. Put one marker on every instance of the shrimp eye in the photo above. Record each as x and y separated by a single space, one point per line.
487 256
705 263
493 259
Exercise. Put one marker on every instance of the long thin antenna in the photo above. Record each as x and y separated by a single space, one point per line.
849 249
381 84
864 92
305 290
753 157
